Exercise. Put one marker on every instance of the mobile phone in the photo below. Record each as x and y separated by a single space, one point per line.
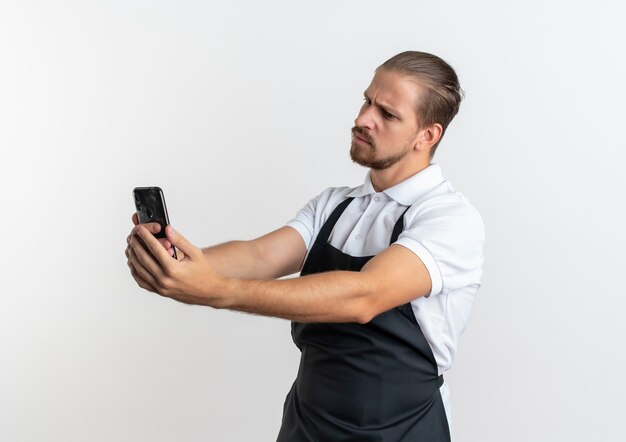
150 205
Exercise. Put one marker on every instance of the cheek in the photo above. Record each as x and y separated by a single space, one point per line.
399 135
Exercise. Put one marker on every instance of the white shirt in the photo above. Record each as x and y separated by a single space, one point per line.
442 228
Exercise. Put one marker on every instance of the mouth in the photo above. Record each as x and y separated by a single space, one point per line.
360 139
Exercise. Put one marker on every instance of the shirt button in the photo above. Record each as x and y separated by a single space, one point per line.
376 199
358 237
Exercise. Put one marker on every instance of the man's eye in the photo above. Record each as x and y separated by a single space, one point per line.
367 101
387 115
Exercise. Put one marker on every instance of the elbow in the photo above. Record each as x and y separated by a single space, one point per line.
364 318
373 292
365 306
365 312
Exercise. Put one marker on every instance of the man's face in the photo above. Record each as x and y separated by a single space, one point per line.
387 126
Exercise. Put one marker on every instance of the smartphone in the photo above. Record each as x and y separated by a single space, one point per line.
150 205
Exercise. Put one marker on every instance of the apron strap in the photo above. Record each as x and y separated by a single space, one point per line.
322 236
398 228
405 309
328 226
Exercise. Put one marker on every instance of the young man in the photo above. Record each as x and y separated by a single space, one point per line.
388 269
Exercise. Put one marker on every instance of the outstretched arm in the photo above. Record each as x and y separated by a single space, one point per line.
390 279
276 254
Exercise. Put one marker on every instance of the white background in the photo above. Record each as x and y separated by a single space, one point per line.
241 113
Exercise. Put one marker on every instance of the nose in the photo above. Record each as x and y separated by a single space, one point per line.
365 118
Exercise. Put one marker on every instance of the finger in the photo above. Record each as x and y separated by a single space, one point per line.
140 281
153 246
152 227
145 256
134 262
165 243
170 251
181 243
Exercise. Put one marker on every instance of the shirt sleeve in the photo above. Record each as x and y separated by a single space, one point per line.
304 221
449 239
309 220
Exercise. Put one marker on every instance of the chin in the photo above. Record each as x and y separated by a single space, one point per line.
356 154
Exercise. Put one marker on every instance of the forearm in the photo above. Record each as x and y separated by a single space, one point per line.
339 296
237 259
278 253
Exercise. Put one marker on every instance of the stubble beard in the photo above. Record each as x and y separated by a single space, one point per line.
366 155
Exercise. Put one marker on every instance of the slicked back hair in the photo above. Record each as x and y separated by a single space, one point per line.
443 93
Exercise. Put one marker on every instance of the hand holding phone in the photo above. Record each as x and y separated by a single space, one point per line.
150 205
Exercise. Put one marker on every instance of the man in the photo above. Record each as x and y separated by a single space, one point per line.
388 269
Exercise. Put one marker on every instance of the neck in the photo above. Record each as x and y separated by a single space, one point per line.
386 178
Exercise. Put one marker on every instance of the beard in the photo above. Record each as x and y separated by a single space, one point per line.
366 155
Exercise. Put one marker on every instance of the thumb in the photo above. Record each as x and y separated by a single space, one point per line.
181 242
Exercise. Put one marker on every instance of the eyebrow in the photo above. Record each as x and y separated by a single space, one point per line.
385 106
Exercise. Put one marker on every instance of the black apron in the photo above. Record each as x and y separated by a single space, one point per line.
362 382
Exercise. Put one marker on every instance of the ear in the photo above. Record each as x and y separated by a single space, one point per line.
429 136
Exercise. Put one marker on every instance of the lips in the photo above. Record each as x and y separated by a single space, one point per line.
360 138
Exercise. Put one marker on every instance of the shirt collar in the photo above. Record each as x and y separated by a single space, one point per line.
409 191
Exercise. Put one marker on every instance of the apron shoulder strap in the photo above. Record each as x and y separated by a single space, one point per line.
398 228
324 233
328 226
